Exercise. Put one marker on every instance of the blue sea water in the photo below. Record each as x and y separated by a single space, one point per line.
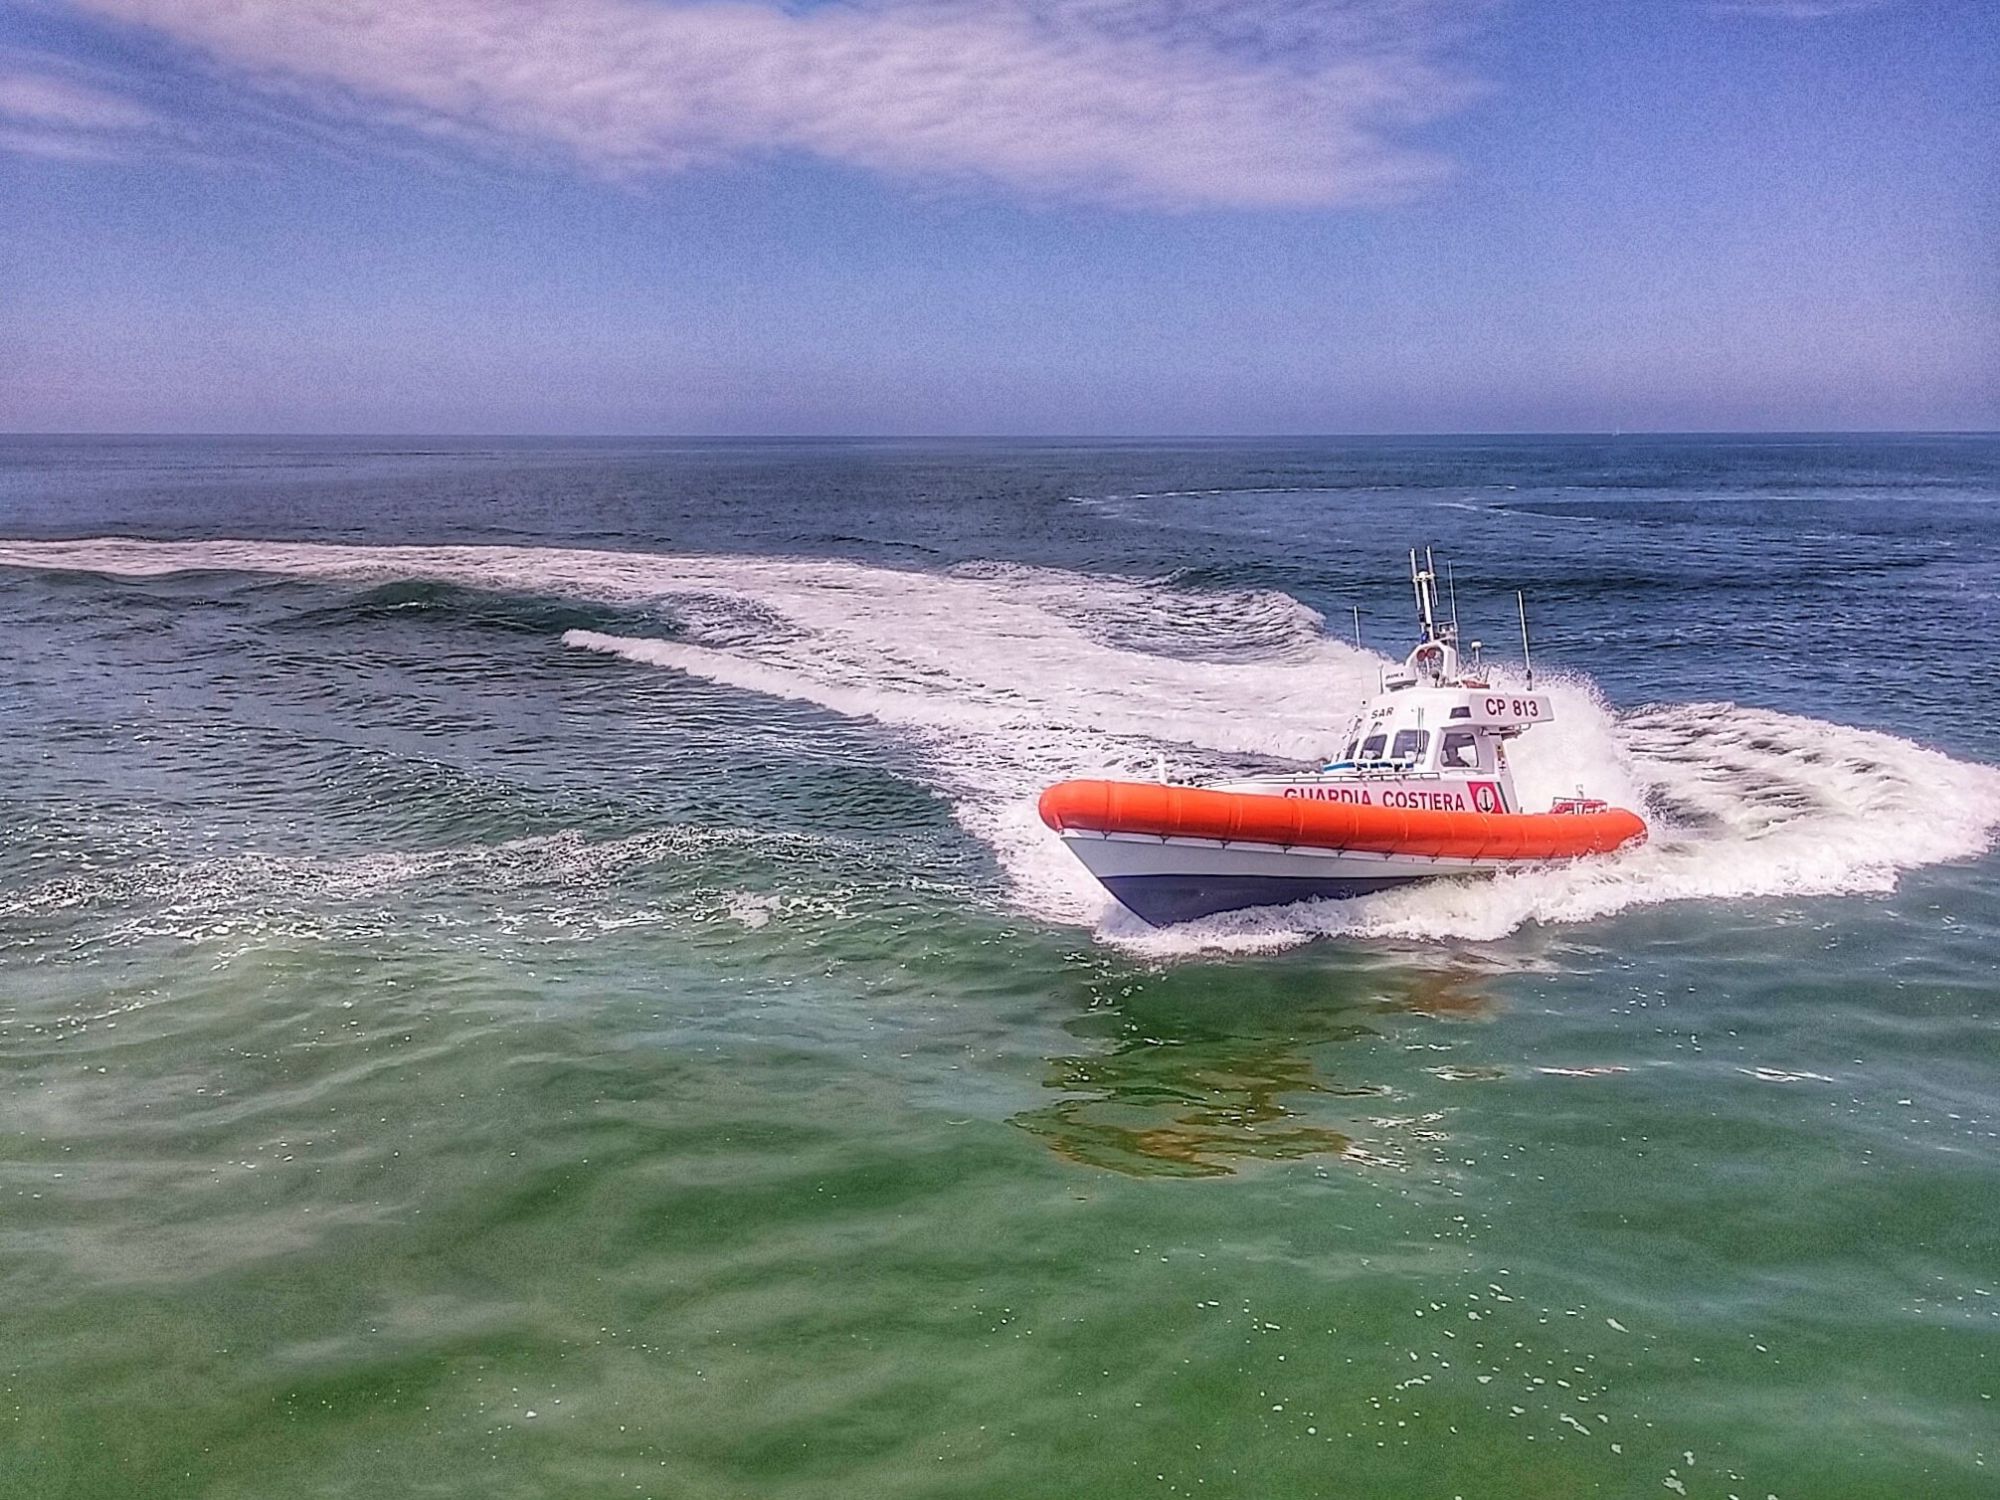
531 967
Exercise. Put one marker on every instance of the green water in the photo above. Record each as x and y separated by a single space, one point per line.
436 1060
874 1216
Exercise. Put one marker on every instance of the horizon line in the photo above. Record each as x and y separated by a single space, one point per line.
1004 437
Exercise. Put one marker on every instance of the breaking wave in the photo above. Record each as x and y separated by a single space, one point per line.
1002 678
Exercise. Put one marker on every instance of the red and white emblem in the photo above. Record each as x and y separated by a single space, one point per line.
1486 796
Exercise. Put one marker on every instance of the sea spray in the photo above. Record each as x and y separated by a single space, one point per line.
1003 678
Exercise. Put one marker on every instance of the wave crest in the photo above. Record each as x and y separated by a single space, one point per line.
1005 678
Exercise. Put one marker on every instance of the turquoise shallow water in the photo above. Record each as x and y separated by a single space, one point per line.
584 1007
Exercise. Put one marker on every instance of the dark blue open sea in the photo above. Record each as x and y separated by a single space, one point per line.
530 968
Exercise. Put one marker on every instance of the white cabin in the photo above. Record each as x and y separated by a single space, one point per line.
1433 738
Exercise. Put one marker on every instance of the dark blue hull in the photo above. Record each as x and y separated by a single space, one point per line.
1165 899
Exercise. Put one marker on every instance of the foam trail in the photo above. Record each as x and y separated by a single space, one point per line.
1003 679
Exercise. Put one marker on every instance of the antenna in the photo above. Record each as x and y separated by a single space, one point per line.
1526 660
1424 581
1451 587
1357 627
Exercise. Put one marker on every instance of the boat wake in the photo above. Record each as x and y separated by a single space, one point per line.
999 679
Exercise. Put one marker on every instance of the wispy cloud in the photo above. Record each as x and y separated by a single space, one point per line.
1795 10
1181 103
39 99
43 113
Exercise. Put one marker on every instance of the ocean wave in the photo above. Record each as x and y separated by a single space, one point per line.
1003 678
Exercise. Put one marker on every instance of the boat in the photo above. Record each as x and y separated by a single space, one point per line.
1419 791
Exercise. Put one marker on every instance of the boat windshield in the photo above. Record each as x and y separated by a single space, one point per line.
1410 744
1372 747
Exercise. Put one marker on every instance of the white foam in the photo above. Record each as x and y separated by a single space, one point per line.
251 891
1001 679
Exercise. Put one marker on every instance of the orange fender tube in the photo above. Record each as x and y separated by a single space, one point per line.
1295 822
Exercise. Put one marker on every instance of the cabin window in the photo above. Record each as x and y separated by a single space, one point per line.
1348 753
1461 751
1410 744
1371 748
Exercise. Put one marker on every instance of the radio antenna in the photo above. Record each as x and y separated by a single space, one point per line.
1451 587
1527 660
1357 627
1423 578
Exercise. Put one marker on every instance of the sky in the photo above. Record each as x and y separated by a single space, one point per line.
1006 217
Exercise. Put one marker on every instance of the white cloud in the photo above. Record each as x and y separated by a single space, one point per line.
40 99
54 145
1795 10
1263 103
45 114
65 113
